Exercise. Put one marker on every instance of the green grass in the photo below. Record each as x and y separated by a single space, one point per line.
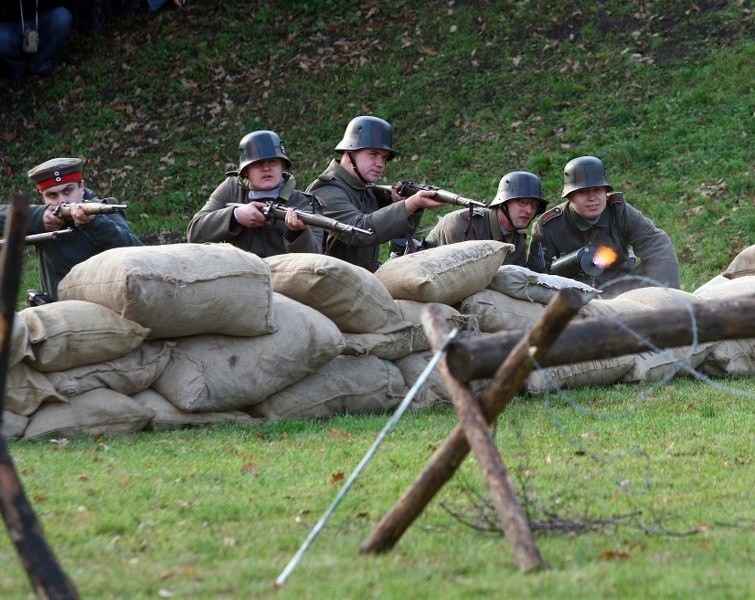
220 512
661 91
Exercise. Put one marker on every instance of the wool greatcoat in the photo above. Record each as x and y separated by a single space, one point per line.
455 227
620 227
215 221
350 200
56 258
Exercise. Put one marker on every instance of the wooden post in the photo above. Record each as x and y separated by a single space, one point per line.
594 338
47 578
446 460
515 525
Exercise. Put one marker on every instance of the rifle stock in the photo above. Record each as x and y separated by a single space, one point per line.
277 211
406 188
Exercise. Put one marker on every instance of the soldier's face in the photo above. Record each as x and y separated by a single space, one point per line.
265 174
521 211
589 203
70 192
370 162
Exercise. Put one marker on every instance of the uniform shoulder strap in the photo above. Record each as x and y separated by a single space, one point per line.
554 212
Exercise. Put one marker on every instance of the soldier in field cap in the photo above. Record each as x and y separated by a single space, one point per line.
61 181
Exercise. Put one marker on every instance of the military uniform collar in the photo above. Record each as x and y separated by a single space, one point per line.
347 177
583 225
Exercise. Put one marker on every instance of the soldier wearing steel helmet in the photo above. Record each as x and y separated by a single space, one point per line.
234 214
519 200
348 193
593 215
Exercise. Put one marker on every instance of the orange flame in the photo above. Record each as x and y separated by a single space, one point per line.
604 257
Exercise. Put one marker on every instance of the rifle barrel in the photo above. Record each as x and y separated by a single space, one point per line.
278 211
45 237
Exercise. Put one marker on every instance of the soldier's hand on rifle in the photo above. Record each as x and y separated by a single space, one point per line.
293 222
250 215
50 221
395 196
79 216
422 199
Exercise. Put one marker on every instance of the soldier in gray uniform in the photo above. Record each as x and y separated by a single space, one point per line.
61 180
348 194
518 201
571 238
234 212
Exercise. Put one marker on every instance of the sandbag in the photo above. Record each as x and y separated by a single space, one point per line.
353 385
524 284
667 363
743 286
219 373
97 412
731 358
591 372
411 311
705 288
178 289
168 416
445 274
742 265
660 298
127 374
20 346
498 312
614 307
73 333
26 389
350 296
13 425
388 346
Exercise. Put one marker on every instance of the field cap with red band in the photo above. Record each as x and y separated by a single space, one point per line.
56 172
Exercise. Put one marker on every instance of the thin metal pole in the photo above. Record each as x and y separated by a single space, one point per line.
367 457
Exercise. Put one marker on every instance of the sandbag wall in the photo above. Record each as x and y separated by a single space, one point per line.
168 336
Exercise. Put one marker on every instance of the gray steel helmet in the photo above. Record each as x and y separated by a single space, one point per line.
260 145
367 132
520 184
584 172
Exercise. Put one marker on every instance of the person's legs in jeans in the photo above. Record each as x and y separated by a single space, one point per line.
54 28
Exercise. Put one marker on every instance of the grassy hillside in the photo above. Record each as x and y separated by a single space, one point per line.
660 90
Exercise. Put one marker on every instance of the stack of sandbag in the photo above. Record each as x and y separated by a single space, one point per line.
735 358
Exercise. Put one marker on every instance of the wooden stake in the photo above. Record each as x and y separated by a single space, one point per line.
515 525
447 459
594 338
47 578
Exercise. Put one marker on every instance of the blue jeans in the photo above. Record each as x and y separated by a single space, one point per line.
54 28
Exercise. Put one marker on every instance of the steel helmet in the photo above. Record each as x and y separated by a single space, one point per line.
584 172
520 184
260 145
367 132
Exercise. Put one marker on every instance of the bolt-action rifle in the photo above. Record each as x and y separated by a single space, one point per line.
64 209
48 236
274 210
406 188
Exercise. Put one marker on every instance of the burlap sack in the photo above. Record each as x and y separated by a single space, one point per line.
178 289
353 385
497 312
666 364
411 311
742 265
445 274
168 416
26 389
73 333
20 347
388 346
731 358
660 298
96 412
524 284
350 296
612 308
13 425
128 374
705 288
741 287
591 372
219 373
433 392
